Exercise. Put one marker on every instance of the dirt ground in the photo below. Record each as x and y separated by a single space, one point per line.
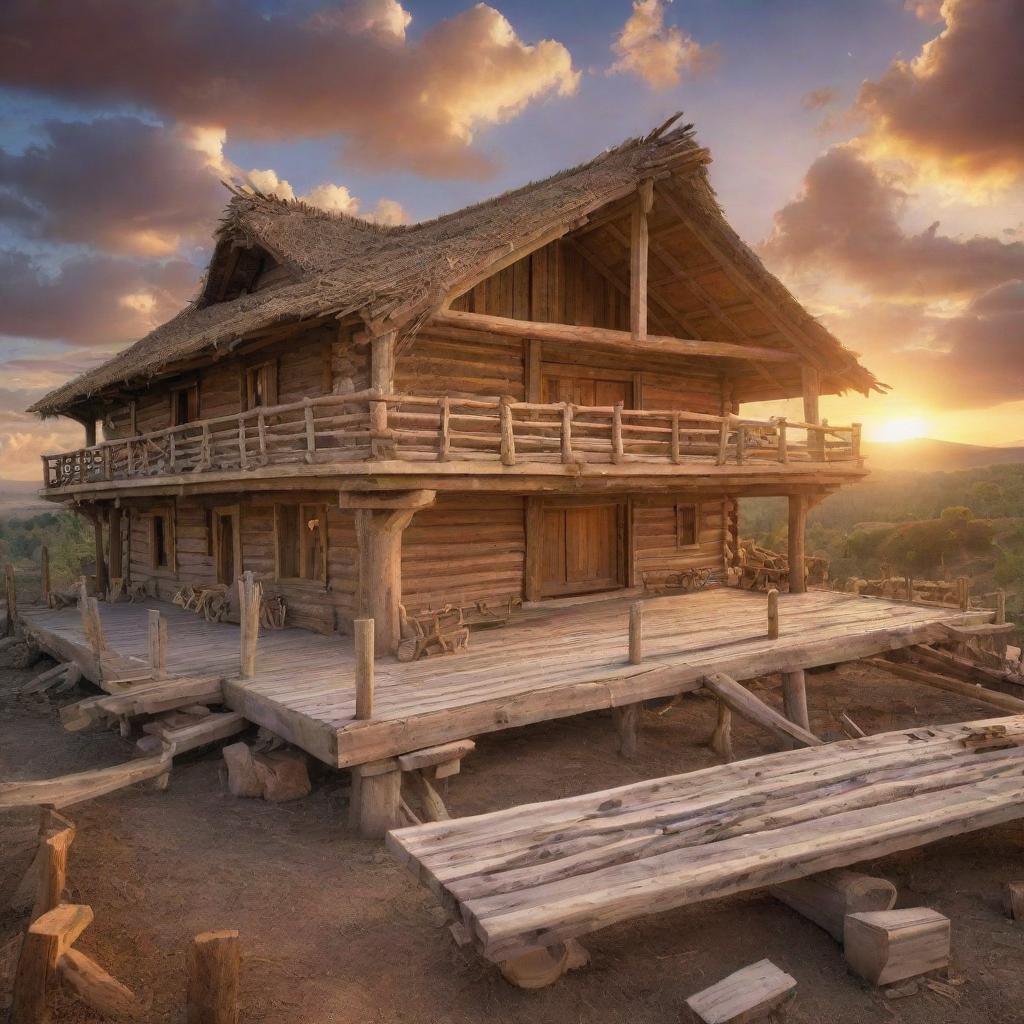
334 931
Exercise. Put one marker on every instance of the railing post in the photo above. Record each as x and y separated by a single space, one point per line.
243 458
618 451
783 442
261 430
636 633
364 668
204 447
214 964
723 441
307 413
567 456
508 438
250 596
446 438
675 439
130 457
741 443
773 614
157 644
172 450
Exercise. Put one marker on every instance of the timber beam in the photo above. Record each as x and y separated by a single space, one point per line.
607 339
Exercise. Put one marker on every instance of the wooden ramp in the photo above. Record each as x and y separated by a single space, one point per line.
537 875
550 662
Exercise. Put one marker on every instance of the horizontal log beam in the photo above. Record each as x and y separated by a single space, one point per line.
605 338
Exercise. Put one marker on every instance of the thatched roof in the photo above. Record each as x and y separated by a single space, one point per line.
395 276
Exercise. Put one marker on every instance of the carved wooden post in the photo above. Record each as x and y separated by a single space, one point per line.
364 668
44 572
213 971
797 530
636 633
250 595
773 614
675 456
11 594
157 643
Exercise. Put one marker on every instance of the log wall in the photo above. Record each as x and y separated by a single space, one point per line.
656 550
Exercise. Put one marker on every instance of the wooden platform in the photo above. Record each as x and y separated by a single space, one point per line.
550 663
538 875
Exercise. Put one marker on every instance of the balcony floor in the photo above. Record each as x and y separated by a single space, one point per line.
549 663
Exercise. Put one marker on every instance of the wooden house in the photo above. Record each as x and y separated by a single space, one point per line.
536 397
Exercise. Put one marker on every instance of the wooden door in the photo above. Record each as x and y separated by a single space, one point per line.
582 550
227 571
586 390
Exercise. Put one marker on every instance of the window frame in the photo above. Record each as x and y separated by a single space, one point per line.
299 513
191 404
681 543
166 517
251 374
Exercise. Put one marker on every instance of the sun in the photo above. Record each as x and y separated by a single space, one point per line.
903 428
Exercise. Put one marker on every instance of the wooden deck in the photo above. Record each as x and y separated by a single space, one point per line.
550 663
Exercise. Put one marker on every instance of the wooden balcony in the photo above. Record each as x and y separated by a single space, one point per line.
411 434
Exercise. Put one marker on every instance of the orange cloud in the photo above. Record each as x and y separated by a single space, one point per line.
657 53
347 70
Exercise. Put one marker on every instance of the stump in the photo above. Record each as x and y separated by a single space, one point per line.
891 945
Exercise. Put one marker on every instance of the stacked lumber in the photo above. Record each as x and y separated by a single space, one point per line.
535 876
150 698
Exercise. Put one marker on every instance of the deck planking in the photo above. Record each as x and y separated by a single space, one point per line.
549 663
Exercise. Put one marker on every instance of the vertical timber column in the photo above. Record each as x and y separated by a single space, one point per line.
811 381
101 561
116 555
382 362
638 244
380 522
797 529
794 697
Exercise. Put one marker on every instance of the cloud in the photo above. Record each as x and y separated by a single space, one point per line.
91 300
816 99
847 222
657 53
957 106
327 196
345 69
117 183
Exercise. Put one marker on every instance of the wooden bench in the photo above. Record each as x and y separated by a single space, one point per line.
539 875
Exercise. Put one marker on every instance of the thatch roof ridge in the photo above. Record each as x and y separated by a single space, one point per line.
396 274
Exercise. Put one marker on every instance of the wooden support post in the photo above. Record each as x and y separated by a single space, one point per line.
11 595
794 693
250 597
797 531
811 382
374 807
157 644
773 614
214 965
627 721
90 431
101 561
1000 618
53 869
721 738
636 633
44 573
745 704
382 362
783 441
638 246
364 668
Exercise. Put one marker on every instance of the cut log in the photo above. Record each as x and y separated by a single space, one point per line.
747 706
1013 900
214 964
744 997
827 898
211 729
97 989
1003 680
941 682
441 754
72 789
544 966
51 677
794 696
891 945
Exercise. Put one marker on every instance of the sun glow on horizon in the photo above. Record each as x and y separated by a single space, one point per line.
901 428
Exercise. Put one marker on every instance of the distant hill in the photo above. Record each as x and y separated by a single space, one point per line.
20 497
926 455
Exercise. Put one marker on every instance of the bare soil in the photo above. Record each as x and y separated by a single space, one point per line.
335 931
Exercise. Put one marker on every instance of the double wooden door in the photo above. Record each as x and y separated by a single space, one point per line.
583 548
569 385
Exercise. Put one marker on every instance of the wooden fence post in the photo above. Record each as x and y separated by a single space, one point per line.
215 960
364 668
44 576
11 593
157 643
773 614
636 633
250 596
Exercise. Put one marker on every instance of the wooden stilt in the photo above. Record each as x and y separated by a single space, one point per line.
250 597
11 595
794 695
744 703
797 531
773 614
157 643
627 721
116 557
636 633
101 561
375 806
721 738
364 667
215 960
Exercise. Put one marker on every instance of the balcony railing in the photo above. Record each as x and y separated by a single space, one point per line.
370 427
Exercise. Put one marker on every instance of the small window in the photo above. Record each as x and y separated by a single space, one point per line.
185 405
687 526
301 552
161 546
261 385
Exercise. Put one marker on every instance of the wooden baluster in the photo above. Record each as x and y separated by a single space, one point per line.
675 439
107 467
723 441
204 450
741 443
783 446
446 439
567 456
379 433
364 668
130 449
618 452
823 442
508 437
773 614
310 429
243 458
172 448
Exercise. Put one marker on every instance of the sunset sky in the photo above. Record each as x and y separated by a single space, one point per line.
871 150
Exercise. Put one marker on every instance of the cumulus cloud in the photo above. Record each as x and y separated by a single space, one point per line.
90 300
957 105
344 69
847 221
118 183
657 53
